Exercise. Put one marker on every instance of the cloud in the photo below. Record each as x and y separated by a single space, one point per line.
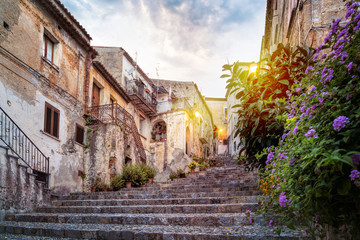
191 39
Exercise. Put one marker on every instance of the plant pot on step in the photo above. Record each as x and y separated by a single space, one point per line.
128 185
192 170
93 189
150 180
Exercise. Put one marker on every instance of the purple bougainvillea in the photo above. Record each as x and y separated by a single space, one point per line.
340 123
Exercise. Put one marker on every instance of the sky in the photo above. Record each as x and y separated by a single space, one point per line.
183 40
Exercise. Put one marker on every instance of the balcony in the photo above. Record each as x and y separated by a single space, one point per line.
141 97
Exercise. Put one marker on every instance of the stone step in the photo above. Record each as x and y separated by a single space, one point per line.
145 209
184 219
115 195
194 189
142 232
129 202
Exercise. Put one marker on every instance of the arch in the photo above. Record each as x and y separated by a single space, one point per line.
158 132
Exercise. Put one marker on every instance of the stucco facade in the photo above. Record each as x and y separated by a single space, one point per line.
32 78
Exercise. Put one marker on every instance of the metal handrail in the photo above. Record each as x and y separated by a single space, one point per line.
21 145
115 114
132 88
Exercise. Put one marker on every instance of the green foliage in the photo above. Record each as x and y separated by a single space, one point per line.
147 170
192 165
262 98
117 183
173 176
313 162
99 185
204 165
133 174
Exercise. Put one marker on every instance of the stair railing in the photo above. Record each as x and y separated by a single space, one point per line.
21 146
115 114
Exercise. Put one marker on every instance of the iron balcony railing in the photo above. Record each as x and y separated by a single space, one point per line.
139 90
21 146
115 114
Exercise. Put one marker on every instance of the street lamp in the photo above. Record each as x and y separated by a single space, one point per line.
197 114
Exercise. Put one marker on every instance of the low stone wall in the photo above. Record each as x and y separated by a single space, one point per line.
19 190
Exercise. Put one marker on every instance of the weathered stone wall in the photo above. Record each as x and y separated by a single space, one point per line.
106 148
310 24
27 81
19 191
169 155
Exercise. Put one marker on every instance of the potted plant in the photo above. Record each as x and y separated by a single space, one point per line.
173 176
192 166
148 171
181 173
128 175
203 166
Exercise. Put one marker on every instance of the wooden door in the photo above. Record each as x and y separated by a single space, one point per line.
95 100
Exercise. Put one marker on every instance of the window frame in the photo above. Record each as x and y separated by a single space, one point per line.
53 110
46 42
78 126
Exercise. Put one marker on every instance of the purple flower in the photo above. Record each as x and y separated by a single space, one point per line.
282 155
317 218
248 212
271 223
295 130
298 89
321 100
340 123
269 157
308 69
354 175
282 199
292 160
311 133
251 220
312 89
348 96
349 67
356 158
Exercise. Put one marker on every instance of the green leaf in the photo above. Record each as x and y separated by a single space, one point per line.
225 76
285 82
344 187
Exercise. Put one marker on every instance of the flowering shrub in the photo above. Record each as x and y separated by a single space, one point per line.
262 98
316 163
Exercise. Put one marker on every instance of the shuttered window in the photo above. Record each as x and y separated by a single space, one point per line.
52 120
79 134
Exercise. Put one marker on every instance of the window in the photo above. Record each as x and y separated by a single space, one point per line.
225 114
142 125
48 49
52 119
79 134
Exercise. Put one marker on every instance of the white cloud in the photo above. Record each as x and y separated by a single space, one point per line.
189 39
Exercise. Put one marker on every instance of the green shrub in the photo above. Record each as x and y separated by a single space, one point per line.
312 176
203 166
117 183
147 170
173 176
133 174
192 165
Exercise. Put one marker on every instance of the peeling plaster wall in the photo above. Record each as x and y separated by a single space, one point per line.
107 141
27 81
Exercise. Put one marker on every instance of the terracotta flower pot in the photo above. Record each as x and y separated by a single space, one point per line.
93 189
128 185
150 180
192 170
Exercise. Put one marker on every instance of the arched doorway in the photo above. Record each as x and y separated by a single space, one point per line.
158 132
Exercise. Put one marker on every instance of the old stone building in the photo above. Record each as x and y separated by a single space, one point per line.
218 107
187 122
299 23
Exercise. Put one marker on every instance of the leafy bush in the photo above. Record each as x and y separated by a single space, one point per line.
133 174
312 176
117 183
203 166
173 176
192 165
99 185
147 170
262 98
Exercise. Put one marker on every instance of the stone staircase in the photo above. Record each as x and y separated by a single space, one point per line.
205 205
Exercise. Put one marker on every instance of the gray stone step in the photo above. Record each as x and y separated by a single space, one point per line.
126 202
145 209
142 232
114 195
202 219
